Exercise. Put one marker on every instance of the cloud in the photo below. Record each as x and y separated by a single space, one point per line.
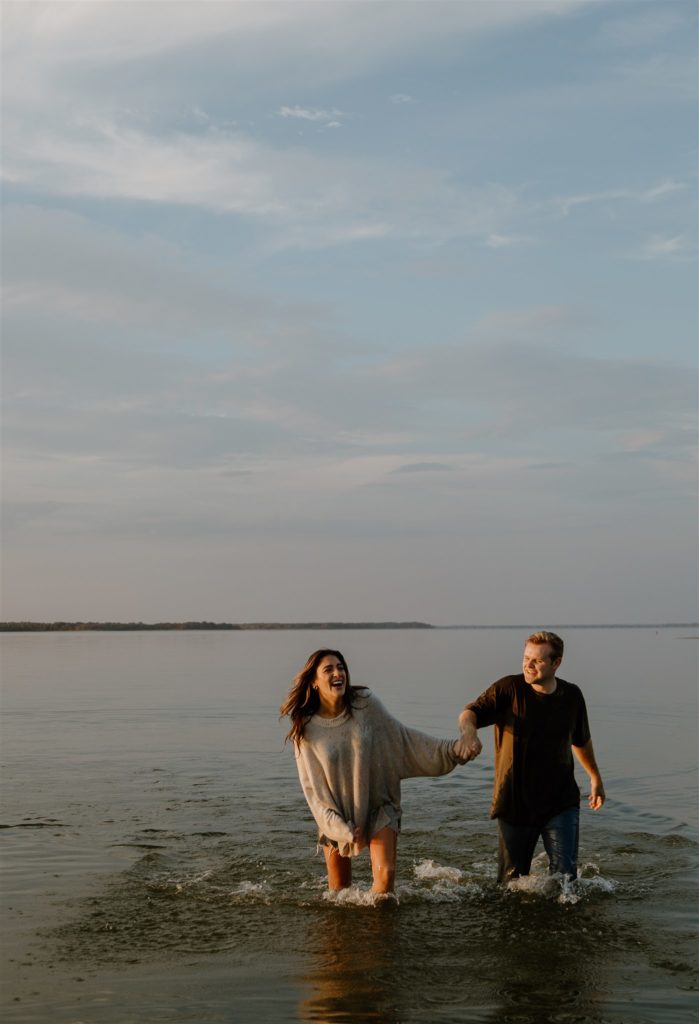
400 98
495 241
664 188
566 204
114 279
424 467
659 77
95 94
302 42
660 247
288 386
326 117
532 323
305 200
642 29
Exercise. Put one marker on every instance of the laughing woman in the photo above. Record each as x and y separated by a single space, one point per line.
351 756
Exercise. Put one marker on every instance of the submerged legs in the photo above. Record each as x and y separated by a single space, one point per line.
339 869
382 850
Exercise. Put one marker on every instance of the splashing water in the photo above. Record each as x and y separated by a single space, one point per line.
428 870
559 887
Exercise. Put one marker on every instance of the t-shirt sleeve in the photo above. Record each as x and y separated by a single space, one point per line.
488 706
581 728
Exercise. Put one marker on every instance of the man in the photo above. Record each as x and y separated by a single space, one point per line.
540 722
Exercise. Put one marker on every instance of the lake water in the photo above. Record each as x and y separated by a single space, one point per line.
160 860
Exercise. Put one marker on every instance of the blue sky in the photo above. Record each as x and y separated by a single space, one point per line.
350 311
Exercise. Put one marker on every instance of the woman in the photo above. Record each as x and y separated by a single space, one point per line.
351 756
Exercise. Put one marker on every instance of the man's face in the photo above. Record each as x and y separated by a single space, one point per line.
538 664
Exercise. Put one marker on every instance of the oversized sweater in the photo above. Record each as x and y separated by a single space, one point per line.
351 768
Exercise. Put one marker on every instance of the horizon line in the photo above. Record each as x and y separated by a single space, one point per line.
56 625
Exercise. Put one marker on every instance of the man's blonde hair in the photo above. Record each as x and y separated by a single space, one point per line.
554 641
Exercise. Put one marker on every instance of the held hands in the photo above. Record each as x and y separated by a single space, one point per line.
467 746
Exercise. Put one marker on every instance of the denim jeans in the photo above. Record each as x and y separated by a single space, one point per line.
560 837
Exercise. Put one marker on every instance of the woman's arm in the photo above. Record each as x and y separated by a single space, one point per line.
321 804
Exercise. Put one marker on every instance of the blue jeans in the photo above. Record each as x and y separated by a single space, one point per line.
560 837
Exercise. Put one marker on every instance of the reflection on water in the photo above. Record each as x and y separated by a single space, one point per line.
521 955
352 967
489 956
451 946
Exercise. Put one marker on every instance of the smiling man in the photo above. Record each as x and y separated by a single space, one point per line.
540 721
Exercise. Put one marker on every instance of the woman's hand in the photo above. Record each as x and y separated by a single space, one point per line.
467 747
357 836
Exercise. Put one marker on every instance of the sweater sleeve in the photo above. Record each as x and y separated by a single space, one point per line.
425 755
418 753
320 801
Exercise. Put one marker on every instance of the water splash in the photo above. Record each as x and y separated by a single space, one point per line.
427 870
560 888
356 896
251 891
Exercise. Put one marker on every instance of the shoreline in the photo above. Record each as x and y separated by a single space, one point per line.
74 627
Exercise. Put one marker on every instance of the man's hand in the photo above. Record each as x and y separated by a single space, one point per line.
586 757
468 745
597 795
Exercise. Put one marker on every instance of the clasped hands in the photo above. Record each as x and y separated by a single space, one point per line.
467 746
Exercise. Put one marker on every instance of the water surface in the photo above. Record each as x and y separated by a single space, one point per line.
160 860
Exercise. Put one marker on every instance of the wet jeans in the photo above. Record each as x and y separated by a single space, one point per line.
560 837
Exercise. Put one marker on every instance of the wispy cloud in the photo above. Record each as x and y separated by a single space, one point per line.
496 241
664 188
566 204
308 200
326 117
186 371
660 247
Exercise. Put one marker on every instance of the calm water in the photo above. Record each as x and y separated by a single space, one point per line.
160 860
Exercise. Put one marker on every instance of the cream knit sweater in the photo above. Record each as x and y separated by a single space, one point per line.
351 768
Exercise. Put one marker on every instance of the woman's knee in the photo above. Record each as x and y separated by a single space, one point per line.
382 848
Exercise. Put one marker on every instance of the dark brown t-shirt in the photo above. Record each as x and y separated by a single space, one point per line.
534 732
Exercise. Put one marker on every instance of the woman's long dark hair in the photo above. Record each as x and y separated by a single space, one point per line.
303 701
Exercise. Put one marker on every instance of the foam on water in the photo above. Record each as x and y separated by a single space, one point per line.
252 891
559 887
357 896
433 883
427 870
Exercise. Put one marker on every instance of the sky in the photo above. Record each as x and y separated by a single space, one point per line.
350 311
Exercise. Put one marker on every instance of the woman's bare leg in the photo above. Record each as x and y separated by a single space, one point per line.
339 868
382 850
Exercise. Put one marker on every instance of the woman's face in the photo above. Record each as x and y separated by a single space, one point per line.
330 681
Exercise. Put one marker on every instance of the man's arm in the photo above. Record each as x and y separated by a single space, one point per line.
586 757
468 745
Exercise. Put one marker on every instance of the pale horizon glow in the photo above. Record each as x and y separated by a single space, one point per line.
350 311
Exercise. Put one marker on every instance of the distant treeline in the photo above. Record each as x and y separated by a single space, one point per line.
74 627
70 627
